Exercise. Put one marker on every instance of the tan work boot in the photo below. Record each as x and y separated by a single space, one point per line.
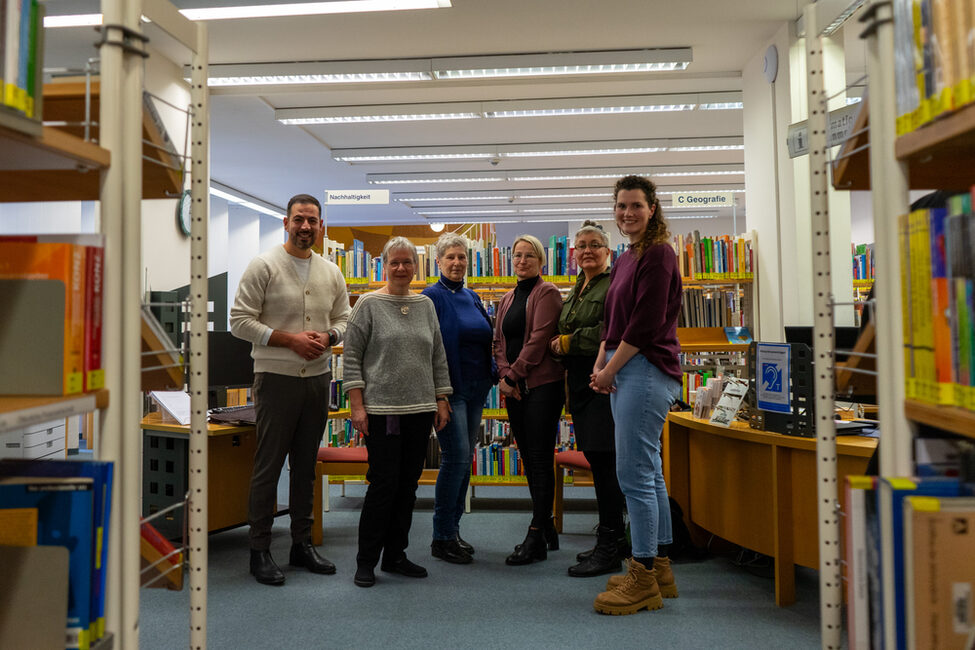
638 590
665 578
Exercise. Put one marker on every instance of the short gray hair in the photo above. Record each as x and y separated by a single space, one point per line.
400 243
448 240
592 228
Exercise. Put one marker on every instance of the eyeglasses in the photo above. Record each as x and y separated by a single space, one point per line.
524 256
593 247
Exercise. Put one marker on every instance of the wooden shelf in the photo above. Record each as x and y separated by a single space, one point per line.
938 154
17 411
53 150
947 418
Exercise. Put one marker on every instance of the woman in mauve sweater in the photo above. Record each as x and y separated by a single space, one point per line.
638 365
532 385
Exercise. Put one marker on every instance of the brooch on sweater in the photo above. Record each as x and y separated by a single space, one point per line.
405 309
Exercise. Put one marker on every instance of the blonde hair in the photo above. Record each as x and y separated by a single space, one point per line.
535 243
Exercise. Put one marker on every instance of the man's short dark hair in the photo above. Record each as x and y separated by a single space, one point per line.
304 199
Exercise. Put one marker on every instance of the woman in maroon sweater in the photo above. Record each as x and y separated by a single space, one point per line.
638 365
531 382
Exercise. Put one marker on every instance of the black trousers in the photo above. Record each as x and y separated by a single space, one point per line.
291 415
534 423
609 497
395 464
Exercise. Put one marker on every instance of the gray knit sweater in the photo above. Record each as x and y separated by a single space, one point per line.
393 351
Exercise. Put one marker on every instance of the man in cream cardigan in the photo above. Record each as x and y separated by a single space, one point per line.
292 305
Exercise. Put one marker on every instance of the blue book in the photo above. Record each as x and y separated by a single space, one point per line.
101 474
890 504
64 518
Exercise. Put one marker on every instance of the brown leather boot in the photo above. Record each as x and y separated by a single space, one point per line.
665 578
638 590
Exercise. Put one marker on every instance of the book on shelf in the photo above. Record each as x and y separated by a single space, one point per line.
64 518
723 257
20 55
939 572
860 491
863 261
937 277
101 474
43 284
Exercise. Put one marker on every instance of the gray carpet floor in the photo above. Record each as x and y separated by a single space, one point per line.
723 603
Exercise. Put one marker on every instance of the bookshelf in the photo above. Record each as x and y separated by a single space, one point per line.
20 411
948 418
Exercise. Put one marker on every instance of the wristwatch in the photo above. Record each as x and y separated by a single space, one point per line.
441 399
333 337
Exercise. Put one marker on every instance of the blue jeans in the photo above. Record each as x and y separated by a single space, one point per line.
640 404
456 449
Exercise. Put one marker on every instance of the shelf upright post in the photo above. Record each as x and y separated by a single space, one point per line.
121 52
198 461
889 184
830 589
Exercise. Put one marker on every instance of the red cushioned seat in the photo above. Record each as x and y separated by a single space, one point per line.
573 459
343 454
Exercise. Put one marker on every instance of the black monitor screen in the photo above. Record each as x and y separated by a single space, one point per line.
845 337
230 364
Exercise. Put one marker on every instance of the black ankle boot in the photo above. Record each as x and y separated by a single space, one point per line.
551 535
530 550
604 558
622 548
264 569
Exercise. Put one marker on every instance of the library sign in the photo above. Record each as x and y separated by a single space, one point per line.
356 197
703 199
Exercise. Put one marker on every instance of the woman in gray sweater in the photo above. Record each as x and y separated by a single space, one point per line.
397 380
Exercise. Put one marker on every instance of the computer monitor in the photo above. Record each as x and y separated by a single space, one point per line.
229 364
844 338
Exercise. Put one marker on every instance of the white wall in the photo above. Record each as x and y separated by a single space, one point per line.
243 244
46 218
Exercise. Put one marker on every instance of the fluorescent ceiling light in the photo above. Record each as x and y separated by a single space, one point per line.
402 181
492 109
581 152
692 216
565 196
354 158
239 199
582 173
564 63
597 208
462 212
712 147
422 199
715 172
722 106
270 11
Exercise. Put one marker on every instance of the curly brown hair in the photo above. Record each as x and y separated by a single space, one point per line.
657 231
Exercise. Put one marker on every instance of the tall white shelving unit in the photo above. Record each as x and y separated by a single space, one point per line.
122 55
25 147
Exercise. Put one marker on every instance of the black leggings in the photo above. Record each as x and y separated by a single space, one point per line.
609 497
535 423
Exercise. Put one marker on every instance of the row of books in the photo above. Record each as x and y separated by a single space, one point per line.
725 257
910 572
711 307
934 59
938 294
863 259
693 380
20 55
64 503
51 290
339 433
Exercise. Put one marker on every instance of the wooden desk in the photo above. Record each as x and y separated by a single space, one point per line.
754 488
230 463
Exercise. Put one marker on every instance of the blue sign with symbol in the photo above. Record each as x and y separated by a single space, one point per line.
773 362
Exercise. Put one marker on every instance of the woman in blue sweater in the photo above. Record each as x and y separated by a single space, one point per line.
467 335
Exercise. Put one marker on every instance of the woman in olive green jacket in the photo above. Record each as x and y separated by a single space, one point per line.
580 330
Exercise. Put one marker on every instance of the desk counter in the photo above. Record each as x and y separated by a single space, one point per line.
754 488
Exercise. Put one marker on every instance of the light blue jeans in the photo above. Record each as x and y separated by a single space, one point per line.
456 449
640 404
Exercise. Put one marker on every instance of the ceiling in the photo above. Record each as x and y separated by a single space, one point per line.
257 155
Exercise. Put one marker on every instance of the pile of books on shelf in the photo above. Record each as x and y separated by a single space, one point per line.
20 56
934 60
711 307
909 571
725 257
938 295
61 504
339 433
51 292
863 259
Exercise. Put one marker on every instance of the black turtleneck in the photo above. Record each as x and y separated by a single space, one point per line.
515 320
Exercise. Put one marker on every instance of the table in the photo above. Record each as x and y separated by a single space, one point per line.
230 463
754 488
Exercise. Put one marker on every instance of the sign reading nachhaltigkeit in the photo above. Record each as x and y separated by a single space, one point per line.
703 199
356 197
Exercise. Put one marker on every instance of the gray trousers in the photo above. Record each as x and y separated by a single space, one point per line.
291 417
